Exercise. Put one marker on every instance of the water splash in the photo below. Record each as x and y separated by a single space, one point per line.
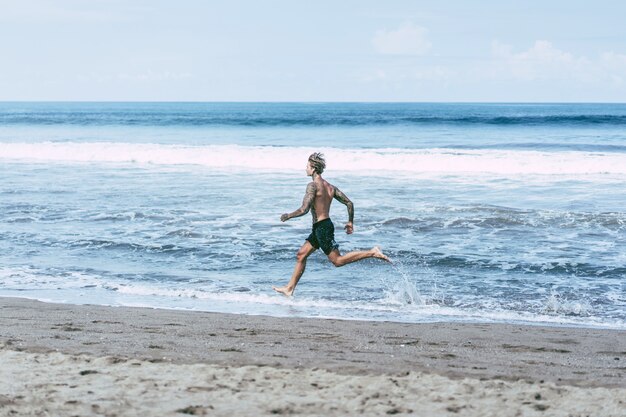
558 304
399 288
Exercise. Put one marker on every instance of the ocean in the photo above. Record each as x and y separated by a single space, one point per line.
506 212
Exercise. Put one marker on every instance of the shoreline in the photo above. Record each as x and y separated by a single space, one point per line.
64 359
437 317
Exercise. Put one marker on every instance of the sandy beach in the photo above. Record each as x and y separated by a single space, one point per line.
62 359
330 208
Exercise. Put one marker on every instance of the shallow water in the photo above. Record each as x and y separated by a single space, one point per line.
504 212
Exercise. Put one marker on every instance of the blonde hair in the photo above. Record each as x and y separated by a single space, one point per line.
318 163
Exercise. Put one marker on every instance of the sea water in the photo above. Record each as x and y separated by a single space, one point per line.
490 212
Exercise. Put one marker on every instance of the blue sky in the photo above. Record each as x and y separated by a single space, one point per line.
477 51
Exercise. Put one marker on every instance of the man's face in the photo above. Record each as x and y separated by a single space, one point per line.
309 169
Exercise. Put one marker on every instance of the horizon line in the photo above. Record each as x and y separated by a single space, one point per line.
310 102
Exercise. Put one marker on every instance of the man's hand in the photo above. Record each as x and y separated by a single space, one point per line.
284 217
349 228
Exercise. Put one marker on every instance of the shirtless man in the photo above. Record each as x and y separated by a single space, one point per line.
319 195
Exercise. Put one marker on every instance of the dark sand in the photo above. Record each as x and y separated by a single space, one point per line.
565 356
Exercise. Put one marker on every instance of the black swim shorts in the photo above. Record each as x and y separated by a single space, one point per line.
323 236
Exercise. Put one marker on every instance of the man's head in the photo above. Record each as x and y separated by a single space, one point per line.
316 164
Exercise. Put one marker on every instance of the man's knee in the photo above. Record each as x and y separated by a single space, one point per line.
336 260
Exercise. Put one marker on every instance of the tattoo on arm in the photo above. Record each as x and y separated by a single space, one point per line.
307 202
343 199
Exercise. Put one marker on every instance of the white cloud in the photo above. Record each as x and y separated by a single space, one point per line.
544 62
613 60
542 71
615 64
408 39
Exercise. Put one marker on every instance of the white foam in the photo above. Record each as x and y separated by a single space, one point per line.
27 278
363 161
556 304
402 302
245 298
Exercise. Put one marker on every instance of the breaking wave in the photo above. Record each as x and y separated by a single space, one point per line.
279 159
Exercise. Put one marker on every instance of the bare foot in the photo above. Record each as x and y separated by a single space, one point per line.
284 291
379 254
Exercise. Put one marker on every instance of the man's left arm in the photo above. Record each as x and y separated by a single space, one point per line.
343 199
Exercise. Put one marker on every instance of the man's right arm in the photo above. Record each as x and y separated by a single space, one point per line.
307 202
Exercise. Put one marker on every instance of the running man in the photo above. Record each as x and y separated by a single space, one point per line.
319 195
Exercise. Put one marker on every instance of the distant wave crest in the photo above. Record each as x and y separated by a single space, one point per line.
287 159
129 118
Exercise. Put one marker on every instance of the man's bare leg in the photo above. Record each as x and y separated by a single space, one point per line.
340 260
301 257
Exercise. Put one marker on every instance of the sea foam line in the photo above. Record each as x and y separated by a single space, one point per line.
285 159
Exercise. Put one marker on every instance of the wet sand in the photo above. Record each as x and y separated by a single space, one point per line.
62 359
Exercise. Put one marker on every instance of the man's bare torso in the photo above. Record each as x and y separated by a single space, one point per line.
318 197
324 194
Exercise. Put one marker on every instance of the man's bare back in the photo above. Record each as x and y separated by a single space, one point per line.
319 196
324 193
